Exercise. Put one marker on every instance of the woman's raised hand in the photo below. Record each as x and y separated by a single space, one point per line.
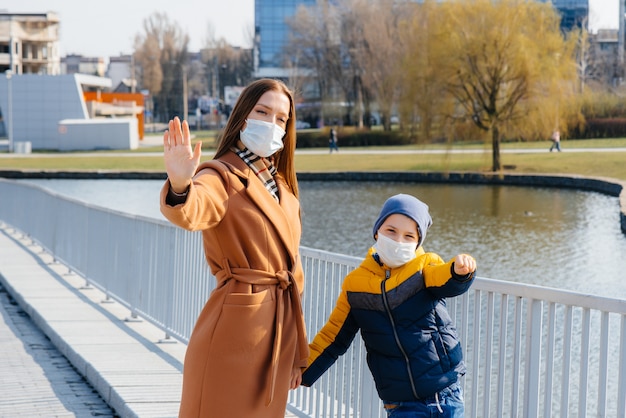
180 161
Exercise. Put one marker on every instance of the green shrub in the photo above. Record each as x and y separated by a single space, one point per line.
601 128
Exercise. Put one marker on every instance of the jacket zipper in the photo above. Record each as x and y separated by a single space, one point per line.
383 292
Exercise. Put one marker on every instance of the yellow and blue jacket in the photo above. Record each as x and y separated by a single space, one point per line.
412 346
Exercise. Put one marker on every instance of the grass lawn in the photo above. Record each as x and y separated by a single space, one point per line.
598 164
604 164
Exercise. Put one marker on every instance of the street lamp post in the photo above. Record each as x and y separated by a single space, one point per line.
9 73
185 94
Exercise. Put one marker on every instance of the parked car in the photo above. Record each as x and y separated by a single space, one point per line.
300 124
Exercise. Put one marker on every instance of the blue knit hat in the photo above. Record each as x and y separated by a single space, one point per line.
407 205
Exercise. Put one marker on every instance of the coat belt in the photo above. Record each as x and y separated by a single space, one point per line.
284 282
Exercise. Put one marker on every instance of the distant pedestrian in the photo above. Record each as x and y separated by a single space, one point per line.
556 141
332 140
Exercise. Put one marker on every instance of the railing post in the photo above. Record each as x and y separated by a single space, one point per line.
603 366
550 338
567 344
476 352
516 356
533 358
488 350
504 305
621 397
584 364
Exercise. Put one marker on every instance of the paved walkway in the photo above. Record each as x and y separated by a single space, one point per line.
67 352
36 380
135 374
155 140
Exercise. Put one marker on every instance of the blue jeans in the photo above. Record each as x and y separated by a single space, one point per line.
557 145
450 405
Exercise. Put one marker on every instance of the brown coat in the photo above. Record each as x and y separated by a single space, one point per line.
250 334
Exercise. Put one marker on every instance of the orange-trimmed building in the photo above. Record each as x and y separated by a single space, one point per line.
112 104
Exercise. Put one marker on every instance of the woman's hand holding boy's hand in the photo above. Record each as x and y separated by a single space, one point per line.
464 264
296 378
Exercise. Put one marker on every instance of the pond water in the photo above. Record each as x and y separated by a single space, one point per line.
559 238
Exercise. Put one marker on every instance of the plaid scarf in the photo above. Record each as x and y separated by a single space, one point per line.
262 167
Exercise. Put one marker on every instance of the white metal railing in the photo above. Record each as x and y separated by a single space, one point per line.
530 351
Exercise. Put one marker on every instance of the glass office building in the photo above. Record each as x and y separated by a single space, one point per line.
271 33
573 12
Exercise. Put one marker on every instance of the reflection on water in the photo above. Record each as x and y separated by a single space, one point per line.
559 238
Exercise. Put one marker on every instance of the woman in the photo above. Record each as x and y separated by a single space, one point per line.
249 342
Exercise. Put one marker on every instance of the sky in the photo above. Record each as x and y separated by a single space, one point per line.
603 14
108 28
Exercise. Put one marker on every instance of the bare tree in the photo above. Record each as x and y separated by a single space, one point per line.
314 43
161 51
351 50
379 52
587 62
226 65
148 58
354 46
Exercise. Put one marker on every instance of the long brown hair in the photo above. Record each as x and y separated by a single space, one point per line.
283 159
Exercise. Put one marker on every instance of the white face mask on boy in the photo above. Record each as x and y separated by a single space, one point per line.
262 138
394 253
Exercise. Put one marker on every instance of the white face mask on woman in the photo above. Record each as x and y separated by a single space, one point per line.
394 253
262 138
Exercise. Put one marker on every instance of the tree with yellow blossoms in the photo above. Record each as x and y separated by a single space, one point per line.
508 67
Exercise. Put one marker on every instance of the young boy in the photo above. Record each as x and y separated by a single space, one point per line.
396 299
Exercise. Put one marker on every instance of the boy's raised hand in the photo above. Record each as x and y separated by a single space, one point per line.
464 264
